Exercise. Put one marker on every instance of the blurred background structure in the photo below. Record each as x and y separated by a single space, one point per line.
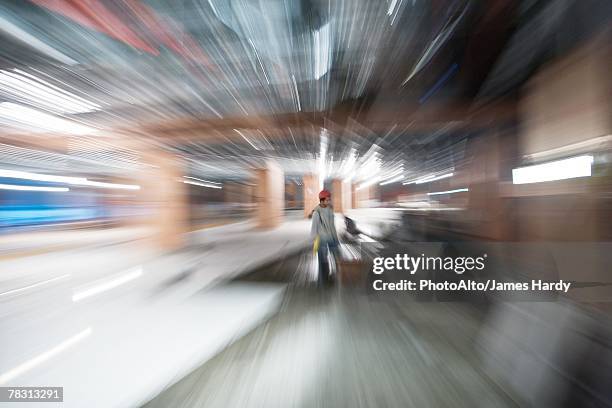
153 153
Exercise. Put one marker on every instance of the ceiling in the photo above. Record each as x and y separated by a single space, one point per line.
230 83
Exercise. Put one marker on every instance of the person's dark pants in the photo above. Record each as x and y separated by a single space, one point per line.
325 248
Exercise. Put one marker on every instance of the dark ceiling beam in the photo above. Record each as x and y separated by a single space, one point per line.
379 119
430 118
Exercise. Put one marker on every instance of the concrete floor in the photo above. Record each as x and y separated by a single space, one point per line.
332 348
103 304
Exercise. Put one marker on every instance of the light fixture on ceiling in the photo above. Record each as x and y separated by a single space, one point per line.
202 183
75 181
33 188
32 118
430 178
459 190
573 167
39 92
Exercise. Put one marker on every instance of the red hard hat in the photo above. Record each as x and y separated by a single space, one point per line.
324 194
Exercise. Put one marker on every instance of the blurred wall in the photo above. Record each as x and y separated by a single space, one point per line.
566 102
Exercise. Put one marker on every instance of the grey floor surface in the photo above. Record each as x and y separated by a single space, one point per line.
332 348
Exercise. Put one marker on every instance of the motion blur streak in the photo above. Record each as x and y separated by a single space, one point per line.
161 161
41 358
108 285
33 188
458 190
10 292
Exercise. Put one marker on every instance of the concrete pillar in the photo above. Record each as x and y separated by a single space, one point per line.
341 195
291 194
269 195
166 198
311 192
490 217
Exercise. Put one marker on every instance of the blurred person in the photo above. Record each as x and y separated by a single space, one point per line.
324 232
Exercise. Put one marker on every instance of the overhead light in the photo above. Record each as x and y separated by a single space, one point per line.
391 9
347 169
109 185
430 178
214 9
321 51
22 115
297 94
263 70
202 180
393 180
459 190
579 166
434 178
368 183
38 92
24 175
393 175
196 183
76 181
323 142
369 167
33 188
246 139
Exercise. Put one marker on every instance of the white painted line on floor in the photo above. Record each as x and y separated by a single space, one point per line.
130 275
41 358
35 285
